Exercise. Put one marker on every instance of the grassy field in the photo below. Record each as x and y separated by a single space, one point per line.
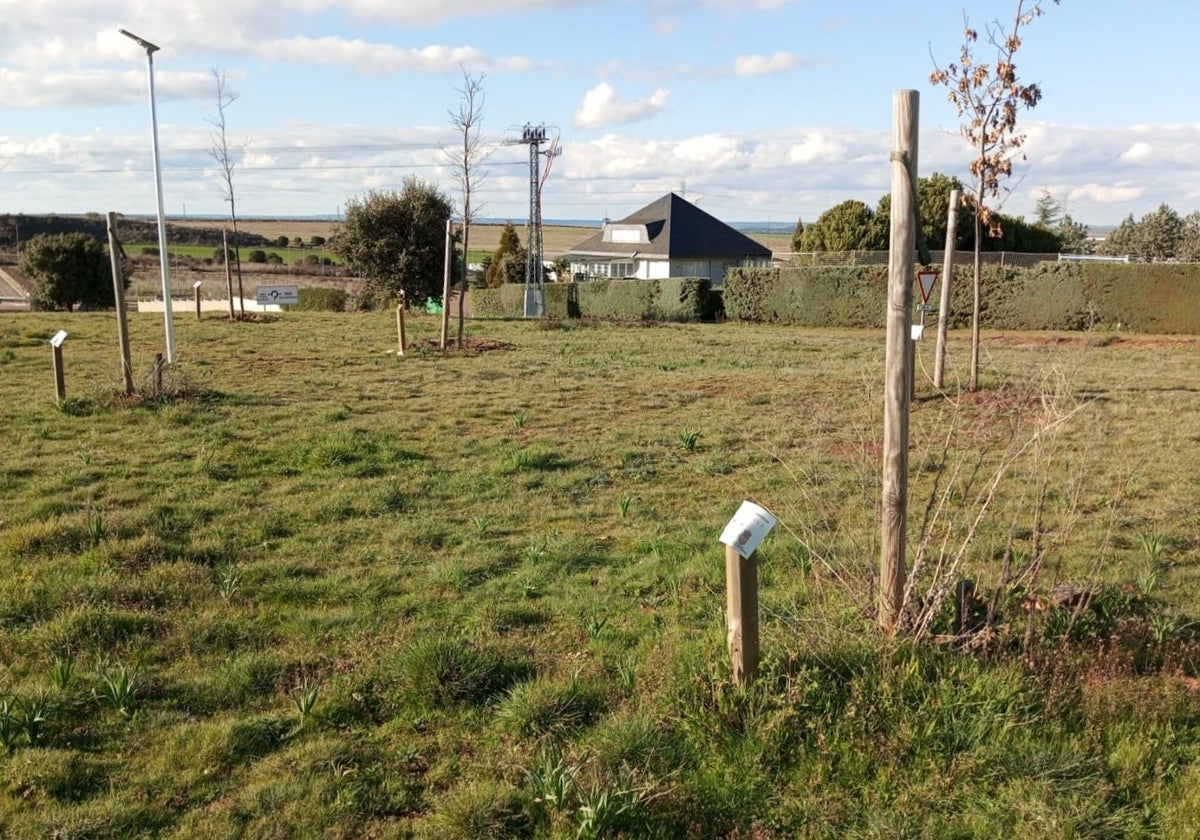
319 590
557 239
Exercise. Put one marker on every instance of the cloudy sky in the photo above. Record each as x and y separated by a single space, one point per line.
758 110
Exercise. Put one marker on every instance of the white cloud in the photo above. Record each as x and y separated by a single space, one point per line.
368 57
21 89
816 147
714 151
602 107
1117 193
431 12
1139 152
766 65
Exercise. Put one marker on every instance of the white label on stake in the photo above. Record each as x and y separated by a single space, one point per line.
917 331
747 528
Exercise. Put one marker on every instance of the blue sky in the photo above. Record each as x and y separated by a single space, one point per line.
759 110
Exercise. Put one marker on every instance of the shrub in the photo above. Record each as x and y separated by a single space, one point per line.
257 256
320 299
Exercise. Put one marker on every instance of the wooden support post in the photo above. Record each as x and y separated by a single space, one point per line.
158 377
228 270
939 365
741 615
898 361
400 323
446 287
114 254
197 287
60 384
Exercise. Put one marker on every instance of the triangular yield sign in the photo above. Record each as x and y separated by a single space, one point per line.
926 279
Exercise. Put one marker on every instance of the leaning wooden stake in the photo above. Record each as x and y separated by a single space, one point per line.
741 614
400 323
114 254
898 360
939 366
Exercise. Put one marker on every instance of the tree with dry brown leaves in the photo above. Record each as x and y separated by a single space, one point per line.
988 97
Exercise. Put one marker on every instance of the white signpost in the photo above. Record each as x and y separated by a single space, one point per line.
277 294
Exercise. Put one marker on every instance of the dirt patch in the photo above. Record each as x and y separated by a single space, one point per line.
471 345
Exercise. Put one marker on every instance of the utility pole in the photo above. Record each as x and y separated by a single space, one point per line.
535 273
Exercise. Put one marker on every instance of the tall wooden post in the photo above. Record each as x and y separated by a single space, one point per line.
898 359
939 366
741 615
197 288
114 255
446 288
228 270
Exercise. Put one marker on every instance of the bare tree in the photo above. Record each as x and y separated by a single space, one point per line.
987 97
466 160
220 152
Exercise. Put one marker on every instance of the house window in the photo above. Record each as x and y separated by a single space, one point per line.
690 268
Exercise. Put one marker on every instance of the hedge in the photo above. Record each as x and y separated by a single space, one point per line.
322 299
1152 298
670 299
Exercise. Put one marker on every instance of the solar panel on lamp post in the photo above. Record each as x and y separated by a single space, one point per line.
162 223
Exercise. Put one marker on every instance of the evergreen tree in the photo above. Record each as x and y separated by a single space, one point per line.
508 262
68 269
396 240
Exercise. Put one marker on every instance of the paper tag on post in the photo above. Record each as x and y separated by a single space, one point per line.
747 528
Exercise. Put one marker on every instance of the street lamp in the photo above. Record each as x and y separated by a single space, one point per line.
162 222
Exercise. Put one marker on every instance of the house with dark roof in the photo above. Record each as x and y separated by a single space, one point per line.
670 237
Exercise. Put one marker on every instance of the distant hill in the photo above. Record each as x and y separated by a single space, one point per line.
128 229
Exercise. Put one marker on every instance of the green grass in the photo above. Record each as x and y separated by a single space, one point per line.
320 590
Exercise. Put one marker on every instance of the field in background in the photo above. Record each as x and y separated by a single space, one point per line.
557 239
322 590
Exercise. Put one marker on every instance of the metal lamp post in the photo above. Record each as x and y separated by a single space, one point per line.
163 259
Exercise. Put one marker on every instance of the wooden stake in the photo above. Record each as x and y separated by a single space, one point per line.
939 365
898 360
114 254
446 288
741 615
60 384
158 379
197 303
400 323
228 270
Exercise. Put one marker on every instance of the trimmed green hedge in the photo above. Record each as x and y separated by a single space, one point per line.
322 299
673 299
1155 298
